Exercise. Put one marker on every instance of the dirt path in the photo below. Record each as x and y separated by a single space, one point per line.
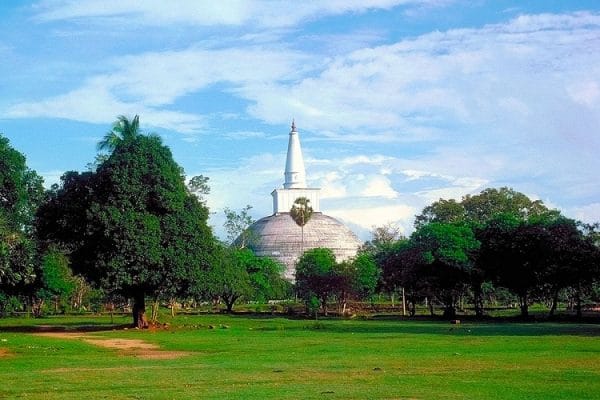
4 352
127 347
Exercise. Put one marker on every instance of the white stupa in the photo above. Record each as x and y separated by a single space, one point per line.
279 237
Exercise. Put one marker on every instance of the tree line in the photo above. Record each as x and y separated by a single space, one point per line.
131 229
496 244
128 228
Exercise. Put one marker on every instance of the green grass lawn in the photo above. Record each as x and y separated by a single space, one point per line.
257 358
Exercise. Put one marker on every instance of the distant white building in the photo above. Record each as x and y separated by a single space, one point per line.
279 237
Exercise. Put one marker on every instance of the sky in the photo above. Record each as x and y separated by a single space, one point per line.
398 102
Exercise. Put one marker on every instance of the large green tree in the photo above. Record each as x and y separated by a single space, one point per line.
21 189
476 212
228 280
132 226
316 276
265 276
447 255
21 192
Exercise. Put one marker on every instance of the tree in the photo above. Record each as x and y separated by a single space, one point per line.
492 202
57 280
228 278
476 211
123 130
21 192
132 226
447 252
301 213
265 276
315 276
446 211
516 254
571 261
384 238
366 277
21 189
17 261
199 186
402 267
237 225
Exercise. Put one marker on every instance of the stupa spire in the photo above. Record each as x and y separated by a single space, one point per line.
295 175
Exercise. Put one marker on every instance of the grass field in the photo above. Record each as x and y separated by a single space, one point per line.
222 357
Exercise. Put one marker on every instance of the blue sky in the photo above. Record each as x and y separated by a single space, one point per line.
398 102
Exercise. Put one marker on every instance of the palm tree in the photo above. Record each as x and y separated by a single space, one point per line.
301 212
122 130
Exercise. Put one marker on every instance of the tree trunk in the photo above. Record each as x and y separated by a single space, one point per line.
478 300
578 301
173 304
449 312
554 304
139 311
229 302
449 307
403 303
430 305
524 306
155 307
412 308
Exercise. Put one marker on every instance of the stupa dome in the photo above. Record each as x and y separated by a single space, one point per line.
280 238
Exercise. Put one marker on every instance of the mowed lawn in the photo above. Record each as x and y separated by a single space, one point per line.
223 357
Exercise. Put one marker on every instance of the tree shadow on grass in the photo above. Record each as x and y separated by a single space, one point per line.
429 326
64 327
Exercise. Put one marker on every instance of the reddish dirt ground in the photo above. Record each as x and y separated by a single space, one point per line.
127 347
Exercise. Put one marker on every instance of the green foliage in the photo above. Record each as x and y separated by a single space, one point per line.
57 280
491 203
132 226
199 186
265 276
366 275
123 130
228 278
516 243
448 244
237 225
57 277
301 211
442 211
17 261
21 192
447 252
538 258
316 275
21 189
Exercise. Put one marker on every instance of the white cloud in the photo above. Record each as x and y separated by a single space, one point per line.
585 93
374 216
589 213
515 103
97 105
153 80
270 13
379 186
